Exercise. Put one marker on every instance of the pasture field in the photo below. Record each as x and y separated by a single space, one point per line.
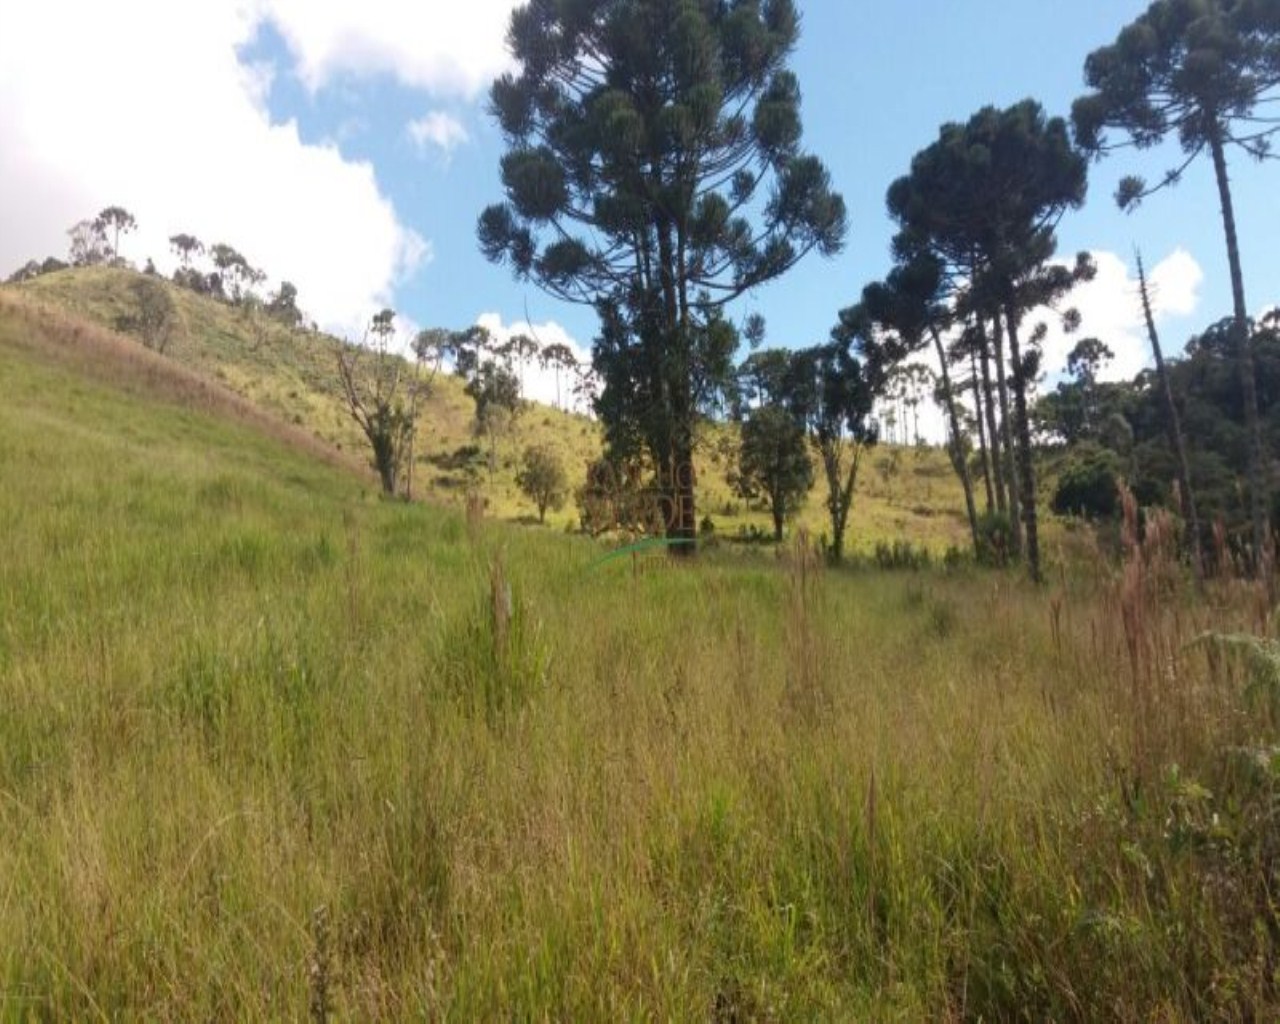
903 491
271 747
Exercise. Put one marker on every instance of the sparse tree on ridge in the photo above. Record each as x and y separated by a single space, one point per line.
558 357
373 383
186 248
32 269
523 348
496 391
762 378
431 347
118 221
1196 70
470 349
29 271
88 244
283 305
235 270
654 171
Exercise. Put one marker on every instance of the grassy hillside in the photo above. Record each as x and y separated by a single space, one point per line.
272 747
905 493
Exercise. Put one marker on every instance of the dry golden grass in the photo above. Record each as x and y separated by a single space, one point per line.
292 375
272 748
82 347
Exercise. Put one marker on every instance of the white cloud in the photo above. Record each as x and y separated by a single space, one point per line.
428 44
146 105
1111 310
439 129
540 383
1175 284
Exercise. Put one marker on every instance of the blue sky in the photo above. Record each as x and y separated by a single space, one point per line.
878 80
284 127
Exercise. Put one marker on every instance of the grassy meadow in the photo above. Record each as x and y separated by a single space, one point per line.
271 747
292 374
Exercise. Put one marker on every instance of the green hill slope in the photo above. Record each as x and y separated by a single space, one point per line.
903 494
271 747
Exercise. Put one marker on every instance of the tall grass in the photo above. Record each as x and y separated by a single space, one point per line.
292 374
271 748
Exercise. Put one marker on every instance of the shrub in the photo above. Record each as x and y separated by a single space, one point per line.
154 319
901 554
995 538
1088 484
495 660
542 479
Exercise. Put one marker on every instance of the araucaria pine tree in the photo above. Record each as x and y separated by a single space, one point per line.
654 171
1197 71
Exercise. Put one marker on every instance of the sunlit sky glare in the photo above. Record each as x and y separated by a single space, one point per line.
347 148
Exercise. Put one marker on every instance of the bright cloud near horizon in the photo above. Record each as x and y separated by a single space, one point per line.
542 383
149 105
1110 309
428 45
346 148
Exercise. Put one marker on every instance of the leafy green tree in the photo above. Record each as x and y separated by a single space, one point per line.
29 271
496 391
763 378
542 480
1195 70
1131 422
774 463
283 305
654 171
618 495
88 244
834 395
154 318
379 397
1087 358
985 199
1089 483
1077 409
118 221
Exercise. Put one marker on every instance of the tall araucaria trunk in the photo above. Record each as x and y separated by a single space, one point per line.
1009 467
1174 427
1026 466
958 458
1258 489
980 418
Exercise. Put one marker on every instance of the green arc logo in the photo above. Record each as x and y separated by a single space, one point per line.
644 545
